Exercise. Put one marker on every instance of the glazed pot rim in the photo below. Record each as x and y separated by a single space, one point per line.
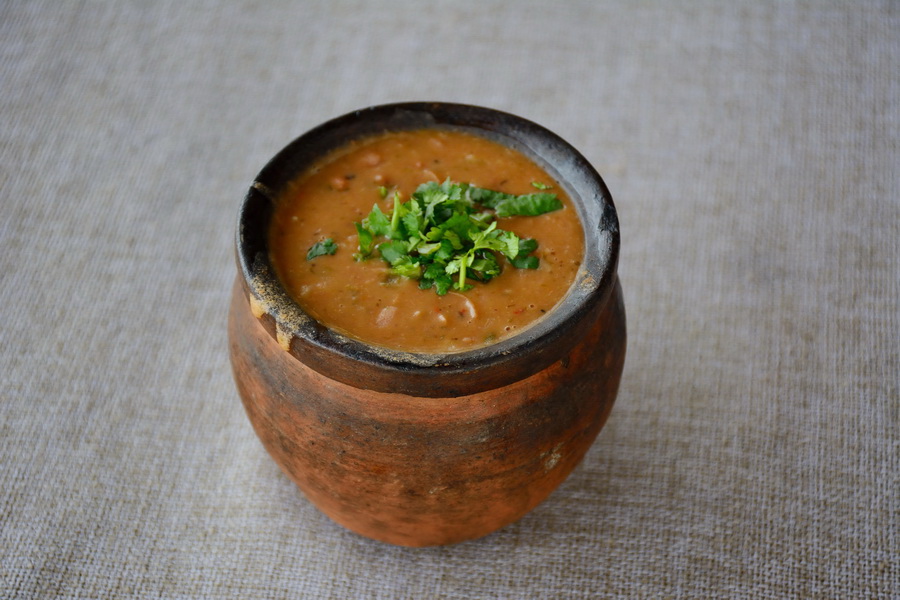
360 364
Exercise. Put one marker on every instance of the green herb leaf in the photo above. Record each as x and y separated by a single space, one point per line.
523 258
407 268
377 222
488 198
529 205
509 205
525 262
541 186
442 284
511 244
394 251
326 246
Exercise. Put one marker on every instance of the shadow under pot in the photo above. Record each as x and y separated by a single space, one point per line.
428 448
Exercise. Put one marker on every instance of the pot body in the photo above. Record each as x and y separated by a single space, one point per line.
424 470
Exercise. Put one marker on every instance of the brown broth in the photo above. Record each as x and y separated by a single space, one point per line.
361 299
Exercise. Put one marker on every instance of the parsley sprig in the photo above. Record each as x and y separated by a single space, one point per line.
447 234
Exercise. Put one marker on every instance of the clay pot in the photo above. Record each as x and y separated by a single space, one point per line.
423 449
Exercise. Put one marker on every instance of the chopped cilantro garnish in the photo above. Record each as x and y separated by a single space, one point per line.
447 233
326 246
541 186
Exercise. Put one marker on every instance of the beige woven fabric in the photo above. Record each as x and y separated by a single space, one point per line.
752 148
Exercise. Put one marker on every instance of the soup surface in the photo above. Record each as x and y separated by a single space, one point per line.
363 299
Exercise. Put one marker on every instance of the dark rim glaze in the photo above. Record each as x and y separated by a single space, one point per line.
436 375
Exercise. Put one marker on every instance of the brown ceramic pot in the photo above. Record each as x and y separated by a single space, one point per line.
424 449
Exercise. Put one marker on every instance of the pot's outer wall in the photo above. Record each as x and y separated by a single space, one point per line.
420 471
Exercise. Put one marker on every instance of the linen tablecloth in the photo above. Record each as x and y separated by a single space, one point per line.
753 152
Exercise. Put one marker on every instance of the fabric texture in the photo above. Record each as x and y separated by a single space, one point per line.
753 152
